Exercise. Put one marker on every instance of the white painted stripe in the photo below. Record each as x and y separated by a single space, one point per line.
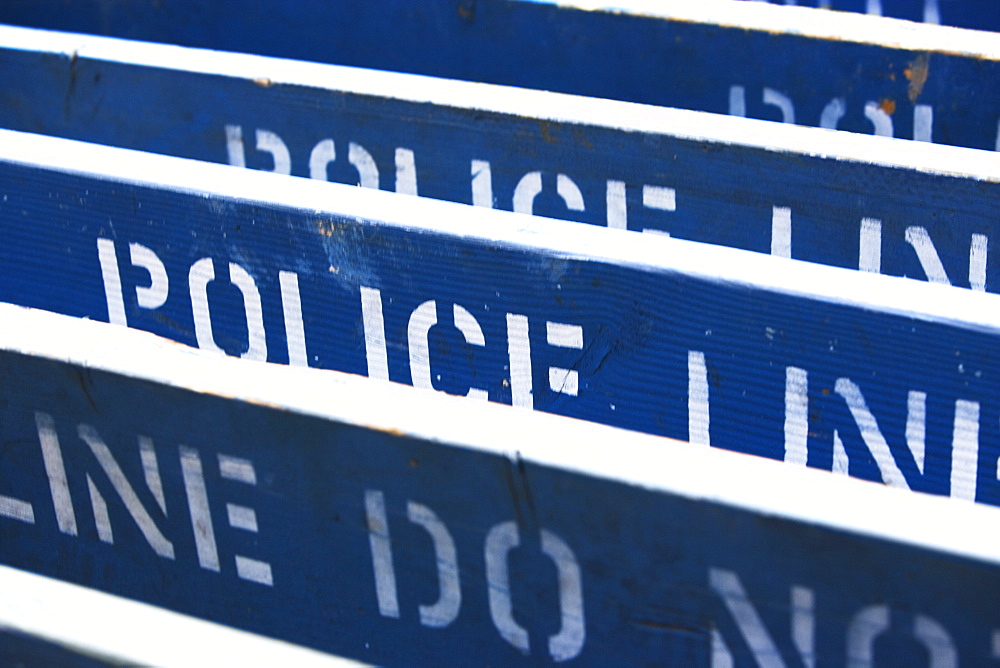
78 618
482 184
56 473
698 411
796 416
381 548
201 513
375 350
564 381
16 509
870 254
101 518
545 237
804 624
965 450
617 205
781 231
703 127
727 585
238 469
151 471
254 570
651 462
564 335
112 282
242 517
519 355
659 197
406 172
291 306
805 21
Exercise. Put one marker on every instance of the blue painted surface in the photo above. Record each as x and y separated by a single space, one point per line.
23 651
715 184
606 341
960 13
644 574
540 45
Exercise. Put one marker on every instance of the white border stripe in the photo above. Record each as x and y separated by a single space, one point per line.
806 21
759 485
547 237
115 629
522 102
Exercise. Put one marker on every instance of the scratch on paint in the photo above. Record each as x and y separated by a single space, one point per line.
520 492
916 73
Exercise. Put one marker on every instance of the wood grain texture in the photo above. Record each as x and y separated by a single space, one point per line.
859 73
548 540
905 209
880 377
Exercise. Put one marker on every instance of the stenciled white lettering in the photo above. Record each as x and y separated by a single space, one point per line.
564 645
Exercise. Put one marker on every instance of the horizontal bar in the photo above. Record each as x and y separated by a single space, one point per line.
843 70
959 13
901 208
407 526
882 378
49 622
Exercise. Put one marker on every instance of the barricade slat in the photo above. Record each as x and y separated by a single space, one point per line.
960 13
46 622
832 69
881 377
900 208
398 526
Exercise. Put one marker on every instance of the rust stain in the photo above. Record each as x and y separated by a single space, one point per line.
581 138
263 82
546 130
888 106
326 227
467 11
916 73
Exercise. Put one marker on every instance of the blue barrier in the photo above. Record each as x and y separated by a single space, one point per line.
397 526
899 208
884 378
46 622
960 13
831 69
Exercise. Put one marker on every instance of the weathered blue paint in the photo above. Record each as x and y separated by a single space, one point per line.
23 650
505 557
932 88
161 106
47 622
960 13
656 335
